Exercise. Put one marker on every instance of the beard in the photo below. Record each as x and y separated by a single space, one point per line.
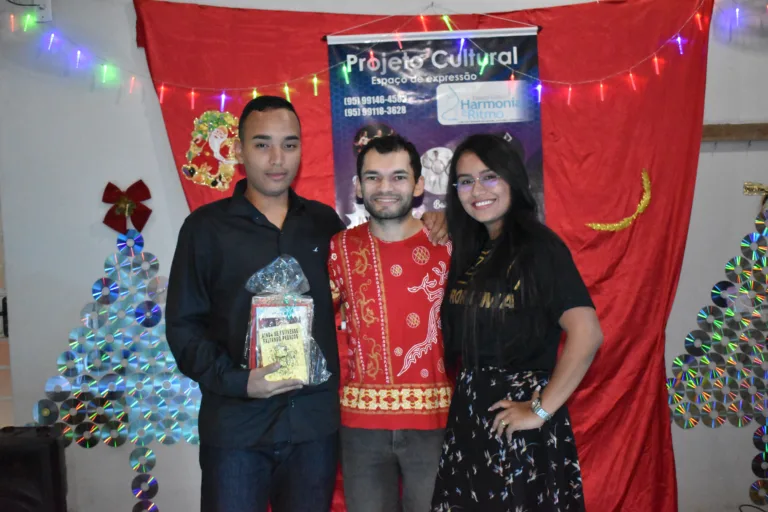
396 211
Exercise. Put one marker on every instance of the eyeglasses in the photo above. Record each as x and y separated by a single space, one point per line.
466 183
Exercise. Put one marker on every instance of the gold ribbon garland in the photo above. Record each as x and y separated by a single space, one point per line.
627 221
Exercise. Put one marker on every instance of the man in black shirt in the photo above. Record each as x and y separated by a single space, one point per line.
260 441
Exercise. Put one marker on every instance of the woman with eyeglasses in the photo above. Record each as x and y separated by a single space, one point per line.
512 290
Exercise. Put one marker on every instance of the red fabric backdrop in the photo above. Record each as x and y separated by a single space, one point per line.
594 152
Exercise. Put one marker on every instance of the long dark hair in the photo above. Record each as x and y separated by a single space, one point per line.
513 254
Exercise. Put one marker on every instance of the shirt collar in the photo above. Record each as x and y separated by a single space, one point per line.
240 205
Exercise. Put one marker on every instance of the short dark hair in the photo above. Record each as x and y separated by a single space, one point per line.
263 104
391 144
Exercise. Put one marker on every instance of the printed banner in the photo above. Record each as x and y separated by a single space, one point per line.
435 89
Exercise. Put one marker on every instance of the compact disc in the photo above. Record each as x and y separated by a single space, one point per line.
82 340
154 408
752 389
740 413
163 348
675 391
144 486
760 317
123 361
145 506
685 415
726 389
752 293
121 314
725 342
123 411
752 342
94 315
70 363
148 314
150 364
760 465
159 331
63 432
111 386
738 270
170 362
84 388
58 388
141 432
736 320
760 271
723 294
190 433
761 411
183 409
711 366
713 414
699 390
139 385
45 412
684 367
760 439
738 366
142 460
72 411
760 365
754 246
105 290
710 319
167 384
152 347
761 223
137 290
190 388
758 491
157 288
87 435
114 433
168 431
117 267
131 243
698 343
109 338
145 265
100 411
97 363
137 337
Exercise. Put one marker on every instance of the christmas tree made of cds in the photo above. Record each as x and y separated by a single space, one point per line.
723 376
117 383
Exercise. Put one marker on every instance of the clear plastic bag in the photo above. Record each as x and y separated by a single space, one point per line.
280 327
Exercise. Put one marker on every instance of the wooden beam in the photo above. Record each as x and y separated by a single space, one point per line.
735 132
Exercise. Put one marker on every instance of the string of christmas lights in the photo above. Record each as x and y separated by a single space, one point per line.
110 75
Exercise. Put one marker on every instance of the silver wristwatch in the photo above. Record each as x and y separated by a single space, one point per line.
538 411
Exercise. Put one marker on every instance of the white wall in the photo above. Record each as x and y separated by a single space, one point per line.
714 466
61 140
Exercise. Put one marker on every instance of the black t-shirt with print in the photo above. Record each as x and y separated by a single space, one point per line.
496 323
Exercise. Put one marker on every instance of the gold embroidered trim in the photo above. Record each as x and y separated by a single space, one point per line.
397 399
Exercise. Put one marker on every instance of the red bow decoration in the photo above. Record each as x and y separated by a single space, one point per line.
127 205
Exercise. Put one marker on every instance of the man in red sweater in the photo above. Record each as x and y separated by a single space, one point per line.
395 396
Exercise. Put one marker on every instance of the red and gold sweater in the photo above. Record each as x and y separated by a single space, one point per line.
394 375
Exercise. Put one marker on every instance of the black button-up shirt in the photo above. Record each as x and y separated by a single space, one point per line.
220 246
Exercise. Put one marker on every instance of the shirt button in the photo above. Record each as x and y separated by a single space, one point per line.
291 403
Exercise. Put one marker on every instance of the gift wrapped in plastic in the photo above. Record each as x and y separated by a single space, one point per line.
280 328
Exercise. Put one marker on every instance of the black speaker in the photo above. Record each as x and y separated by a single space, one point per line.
33 474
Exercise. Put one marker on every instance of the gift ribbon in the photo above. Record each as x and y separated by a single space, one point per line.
126 205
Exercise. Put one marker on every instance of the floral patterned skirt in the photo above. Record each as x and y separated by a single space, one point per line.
537 472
